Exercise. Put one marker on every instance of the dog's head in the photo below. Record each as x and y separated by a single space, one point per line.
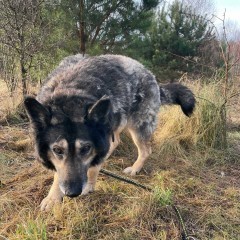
71 147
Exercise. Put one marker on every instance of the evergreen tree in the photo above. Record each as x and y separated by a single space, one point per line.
173 43
106 25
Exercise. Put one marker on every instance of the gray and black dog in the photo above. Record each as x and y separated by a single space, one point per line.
82 108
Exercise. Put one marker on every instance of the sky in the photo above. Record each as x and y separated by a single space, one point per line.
232 9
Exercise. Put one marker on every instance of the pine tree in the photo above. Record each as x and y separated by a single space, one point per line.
108 24
176 37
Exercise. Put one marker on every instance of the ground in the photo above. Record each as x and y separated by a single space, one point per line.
204 185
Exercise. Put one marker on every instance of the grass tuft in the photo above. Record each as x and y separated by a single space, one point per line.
162 197
204 131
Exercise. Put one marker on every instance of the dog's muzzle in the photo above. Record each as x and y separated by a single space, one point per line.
71 189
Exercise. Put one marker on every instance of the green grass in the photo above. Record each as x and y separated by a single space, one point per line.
31 230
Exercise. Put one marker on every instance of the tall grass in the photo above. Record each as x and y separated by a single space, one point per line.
205 129
9 103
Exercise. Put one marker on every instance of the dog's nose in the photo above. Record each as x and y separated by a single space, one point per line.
71 190
71 194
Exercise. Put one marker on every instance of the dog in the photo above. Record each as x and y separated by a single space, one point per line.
82 108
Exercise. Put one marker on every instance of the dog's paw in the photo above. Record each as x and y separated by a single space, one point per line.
88 189
48 202
131 171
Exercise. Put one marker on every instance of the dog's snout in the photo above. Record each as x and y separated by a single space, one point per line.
71 194
71 189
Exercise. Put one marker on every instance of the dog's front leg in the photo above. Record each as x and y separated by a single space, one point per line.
55 195
92 178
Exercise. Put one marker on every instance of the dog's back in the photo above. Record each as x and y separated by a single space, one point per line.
132 89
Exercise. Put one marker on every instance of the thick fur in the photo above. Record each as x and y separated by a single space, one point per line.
81 110
178 94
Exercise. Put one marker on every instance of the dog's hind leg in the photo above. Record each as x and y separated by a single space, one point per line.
144 150
55 195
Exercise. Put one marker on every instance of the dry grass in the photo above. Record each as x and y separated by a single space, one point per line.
11 107
188 167
205 128
8 102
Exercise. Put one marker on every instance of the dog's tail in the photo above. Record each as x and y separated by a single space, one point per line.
174 93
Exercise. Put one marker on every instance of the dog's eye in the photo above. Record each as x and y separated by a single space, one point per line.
58 151
85 150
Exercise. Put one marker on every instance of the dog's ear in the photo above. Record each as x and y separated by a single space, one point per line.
101 111
38 114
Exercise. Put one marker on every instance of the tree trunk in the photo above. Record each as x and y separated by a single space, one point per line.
24 79
82 38
82 28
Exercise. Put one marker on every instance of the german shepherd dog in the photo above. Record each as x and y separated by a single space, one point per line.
82 108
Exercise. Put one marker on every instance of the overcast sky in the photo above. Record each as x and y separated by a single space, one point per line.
232 9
